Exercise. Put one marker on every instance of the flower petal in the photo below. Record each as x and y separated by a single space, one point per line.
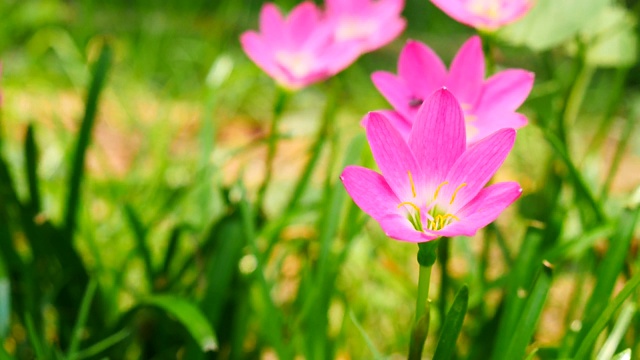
261 54
455 9
369 191
477 165
395 90
421 69
302 21
484 208
393 156
505 91
272 25
398 121
399 228
488 124
466 74
438 136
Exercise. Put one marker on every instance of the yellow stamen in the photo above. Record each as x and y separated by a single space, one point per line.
413 186
410 204
456 192
435 194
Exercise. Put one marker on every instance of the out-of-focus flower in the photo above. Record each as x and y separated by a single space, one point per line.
488 105
433 185
484 14
373 23
297 50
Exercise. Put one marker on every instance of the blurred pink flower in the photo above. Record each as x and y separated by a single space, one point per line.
373 23
298 50
433 185
484 14
488 105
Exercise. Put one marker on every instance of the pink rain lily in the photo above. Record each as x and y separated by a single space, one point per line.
488 105
372 23
433 185
298 50
485 15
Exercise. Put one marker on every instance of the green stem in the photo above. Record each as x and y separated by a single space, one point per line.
443 258
420 329
421 322
487 49
617 157
278 109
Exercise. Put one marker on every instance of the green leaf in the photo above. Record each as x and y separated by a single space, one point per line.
452 325
189 315
552 22
84 137
611 38
530 316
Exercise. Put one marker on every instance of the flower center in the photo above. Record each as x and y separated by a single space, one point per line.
351 28
486 8
298 63
436 218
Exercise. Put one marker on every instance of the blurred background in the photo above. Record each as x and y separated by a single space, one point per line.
183 117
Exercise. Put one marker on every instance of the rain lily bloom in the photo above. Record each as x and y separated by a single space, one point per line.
488 105
372 23
433 185
298 50
484 14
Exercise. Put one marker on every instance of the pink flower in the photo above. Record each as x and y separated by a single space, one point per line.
488 105
299 50
372 23
433 185
484 14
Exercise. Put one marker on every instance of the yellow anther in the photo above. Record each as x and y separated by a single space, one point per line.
413 186
440 221
410 204
453 197
435 194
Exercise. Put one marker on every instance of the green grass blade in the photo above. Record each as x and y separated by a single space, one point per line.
82 319
519 280
5 301
530 316
452 325
619 329
585 345
103 345
34 337
372 347
607 273
189 315
31 159
84 137
140 236
579 182
623 355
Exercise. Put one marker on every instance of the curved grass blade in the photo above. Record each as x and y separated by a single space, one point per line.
82 319
452 325
585 345
189 315
372 347
619 329
31 159
103 345
607 273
